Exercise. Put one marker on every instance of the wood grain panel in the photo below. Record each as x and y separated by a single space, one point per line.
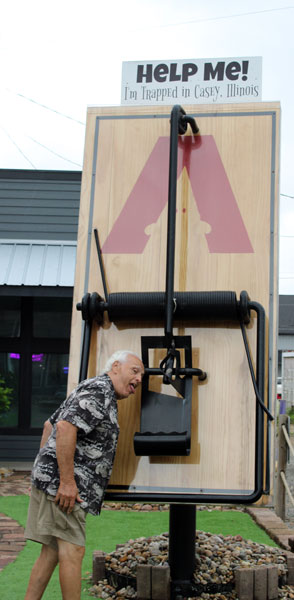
223 407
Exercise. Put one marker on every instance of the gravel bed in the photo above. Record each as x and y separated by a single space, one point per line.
141 506
217 557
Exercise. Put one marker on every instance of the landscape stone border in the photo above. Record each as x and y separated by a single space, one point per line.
153 583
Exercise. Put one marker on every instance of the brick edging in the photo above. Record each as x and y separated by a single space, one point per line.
12 540
275 527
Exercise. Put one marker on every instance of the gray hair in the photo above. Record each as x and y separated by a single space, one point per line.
120 356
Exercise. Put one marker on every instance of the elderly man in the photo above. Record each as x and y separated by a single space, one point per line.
71 472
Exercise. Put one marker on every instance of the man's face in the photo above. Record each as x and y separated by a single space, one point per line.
126 376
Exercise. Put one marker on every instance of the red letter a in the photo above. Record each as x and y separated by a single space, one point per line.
211 188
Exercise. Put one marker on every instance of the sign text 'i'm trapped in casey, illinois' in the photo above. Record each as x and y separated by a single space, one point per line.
203 81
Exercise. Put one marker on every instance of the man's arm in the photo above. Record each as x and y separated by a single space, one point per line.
46 432
66 439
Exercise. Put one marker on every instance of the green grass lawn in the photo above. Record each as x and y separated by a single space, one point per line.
107 530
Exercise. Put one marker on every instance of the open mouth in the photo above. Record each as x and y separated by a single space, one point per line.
132 388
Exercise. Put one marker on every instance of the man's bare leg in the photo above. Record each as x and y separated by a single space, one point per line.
41 573
70 569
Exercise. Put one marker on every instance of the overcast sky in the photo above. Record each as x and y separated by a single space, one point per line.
59 57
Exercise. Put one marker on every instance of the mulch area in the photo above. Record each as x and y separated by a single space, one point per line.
14 483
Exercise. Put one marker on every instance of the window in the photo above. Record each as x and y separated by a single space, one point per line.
52 317
10 317
49 380
34 351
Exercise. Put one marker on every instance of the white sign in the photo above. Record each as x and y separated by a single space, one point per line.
197 81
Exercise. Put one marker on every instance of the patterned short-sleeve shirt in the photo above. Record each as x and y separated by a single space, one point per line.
92 408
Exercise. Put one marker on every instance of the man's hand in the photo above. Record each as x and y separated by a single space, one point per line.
66 496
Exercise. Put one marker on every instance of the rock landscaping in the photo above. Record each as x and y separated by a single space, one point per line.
217 558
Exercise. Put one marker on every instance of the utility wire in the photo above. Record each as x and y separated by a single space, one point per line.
287 196
55 153
222 17
19 149
46 107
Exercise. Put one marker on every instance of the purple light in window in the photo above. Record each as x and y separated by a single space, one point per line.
14 355
37 357
65 369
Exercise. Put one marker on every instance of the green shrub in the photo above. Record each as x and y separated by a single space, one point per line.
290 413
5 396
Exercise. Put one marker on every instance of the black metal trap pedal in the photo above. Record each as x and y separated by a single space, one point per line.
165 428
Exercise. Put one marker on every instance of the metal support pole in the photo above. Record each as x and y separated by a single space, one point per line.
182 538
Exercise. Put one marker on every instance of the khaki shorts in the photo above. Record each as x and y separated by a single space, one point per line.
46 521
